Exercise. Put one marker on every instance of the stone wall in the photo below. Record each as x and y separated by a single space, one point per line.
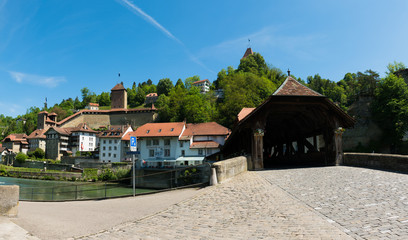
229 168
392 162
9 195
135 119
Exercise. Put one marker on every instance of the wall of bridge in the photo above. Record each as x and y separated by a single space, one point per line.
392 162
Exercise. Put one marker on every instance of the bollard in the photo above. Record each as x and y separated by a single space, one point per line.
213 179
9 196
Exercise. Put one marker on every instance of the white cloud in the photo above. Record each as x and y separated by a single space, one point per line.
47 81
149 19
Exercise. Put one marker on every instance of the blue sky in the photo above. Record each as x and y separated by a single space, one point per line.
53 48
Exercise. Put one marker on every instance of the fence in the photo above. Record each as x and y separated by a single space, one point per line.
159 181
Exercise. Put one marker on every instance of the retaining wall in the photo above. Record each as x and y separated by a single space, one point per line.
391 162
9 195
229 168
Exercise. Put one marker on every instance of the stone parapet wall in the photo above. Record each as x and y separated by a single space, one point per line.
9 195
229 168
391 162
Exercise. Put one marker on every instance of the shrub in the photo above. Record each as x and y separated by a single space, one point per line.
107 175
21 157
39 153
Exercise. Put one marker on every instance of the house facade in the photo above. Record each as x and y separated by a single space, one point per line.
203 85
83 139
57 143
168 145
16 142
37 139
111 148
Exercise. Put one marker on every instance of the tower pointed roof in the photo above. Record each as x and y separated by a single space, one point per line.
118 86
291 87
248 52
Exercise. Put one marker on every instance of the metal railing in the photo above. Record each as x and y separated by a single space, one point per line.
151 181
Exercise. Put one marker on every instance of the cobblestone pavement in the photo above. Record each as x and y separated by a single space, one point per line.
246 207
370 204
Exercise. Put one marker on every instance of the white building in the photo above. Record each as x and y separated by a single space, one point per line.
83 139
92 106
110 143
167 145
203 85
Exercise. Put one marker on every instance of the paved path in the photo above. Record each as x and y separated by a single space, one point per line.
247 207
369 203
303 203
62 220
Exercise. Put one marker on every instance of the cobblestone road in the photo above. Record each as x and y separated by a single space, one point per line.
370 204
246 207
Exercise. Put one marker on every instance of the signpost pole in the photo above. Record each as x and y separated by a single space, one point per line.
133 170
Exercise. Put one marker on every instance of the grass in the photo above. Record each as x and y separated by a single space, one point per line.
22 169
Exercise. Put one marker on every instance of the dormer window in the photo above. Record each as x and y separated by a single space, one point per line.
159 130
147 131
172 129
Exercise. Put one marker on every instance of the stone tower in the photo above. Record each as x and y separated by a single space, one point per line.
118 96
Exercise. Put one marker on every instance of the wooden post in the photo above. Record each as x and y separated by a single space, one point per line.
257 149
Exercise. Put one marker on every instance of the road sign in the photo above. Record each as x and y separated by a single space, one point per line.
133 146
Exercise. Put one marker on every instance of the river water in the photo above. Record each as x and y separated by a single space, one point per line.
43 190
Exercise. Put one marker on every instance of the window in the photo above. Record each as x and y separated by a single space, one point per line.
115 148
200 151
110 148
151 153
116 141
159 130
209 151
167 142
83 138
172 129
103 154
114 155
104 148
181 143
167 152
155 141
104 141
148 142
91 144
109 154
183 153
110 141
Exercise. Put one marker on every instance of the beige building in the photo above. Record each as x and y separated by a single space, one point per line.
16 142
36 140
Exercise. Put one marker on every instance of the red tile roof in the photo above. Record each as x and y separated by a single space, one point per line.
83 127
204 129
171 129
114 131
118 86
53 114
62 131
151 95
39 133
244 112
94 104
200 81
15 137
291 87
205 144
248 52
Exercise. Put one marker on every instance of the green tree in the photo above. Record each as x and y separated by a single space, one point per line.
180 83
390 109
189 81
21 157
164 86
39 153
394 67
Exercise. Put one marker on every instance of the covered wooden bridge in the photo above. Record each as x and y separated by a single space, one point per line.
295 125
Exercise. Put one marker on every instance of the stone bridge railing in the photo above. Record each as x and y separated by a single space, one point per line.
226 169
391 162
